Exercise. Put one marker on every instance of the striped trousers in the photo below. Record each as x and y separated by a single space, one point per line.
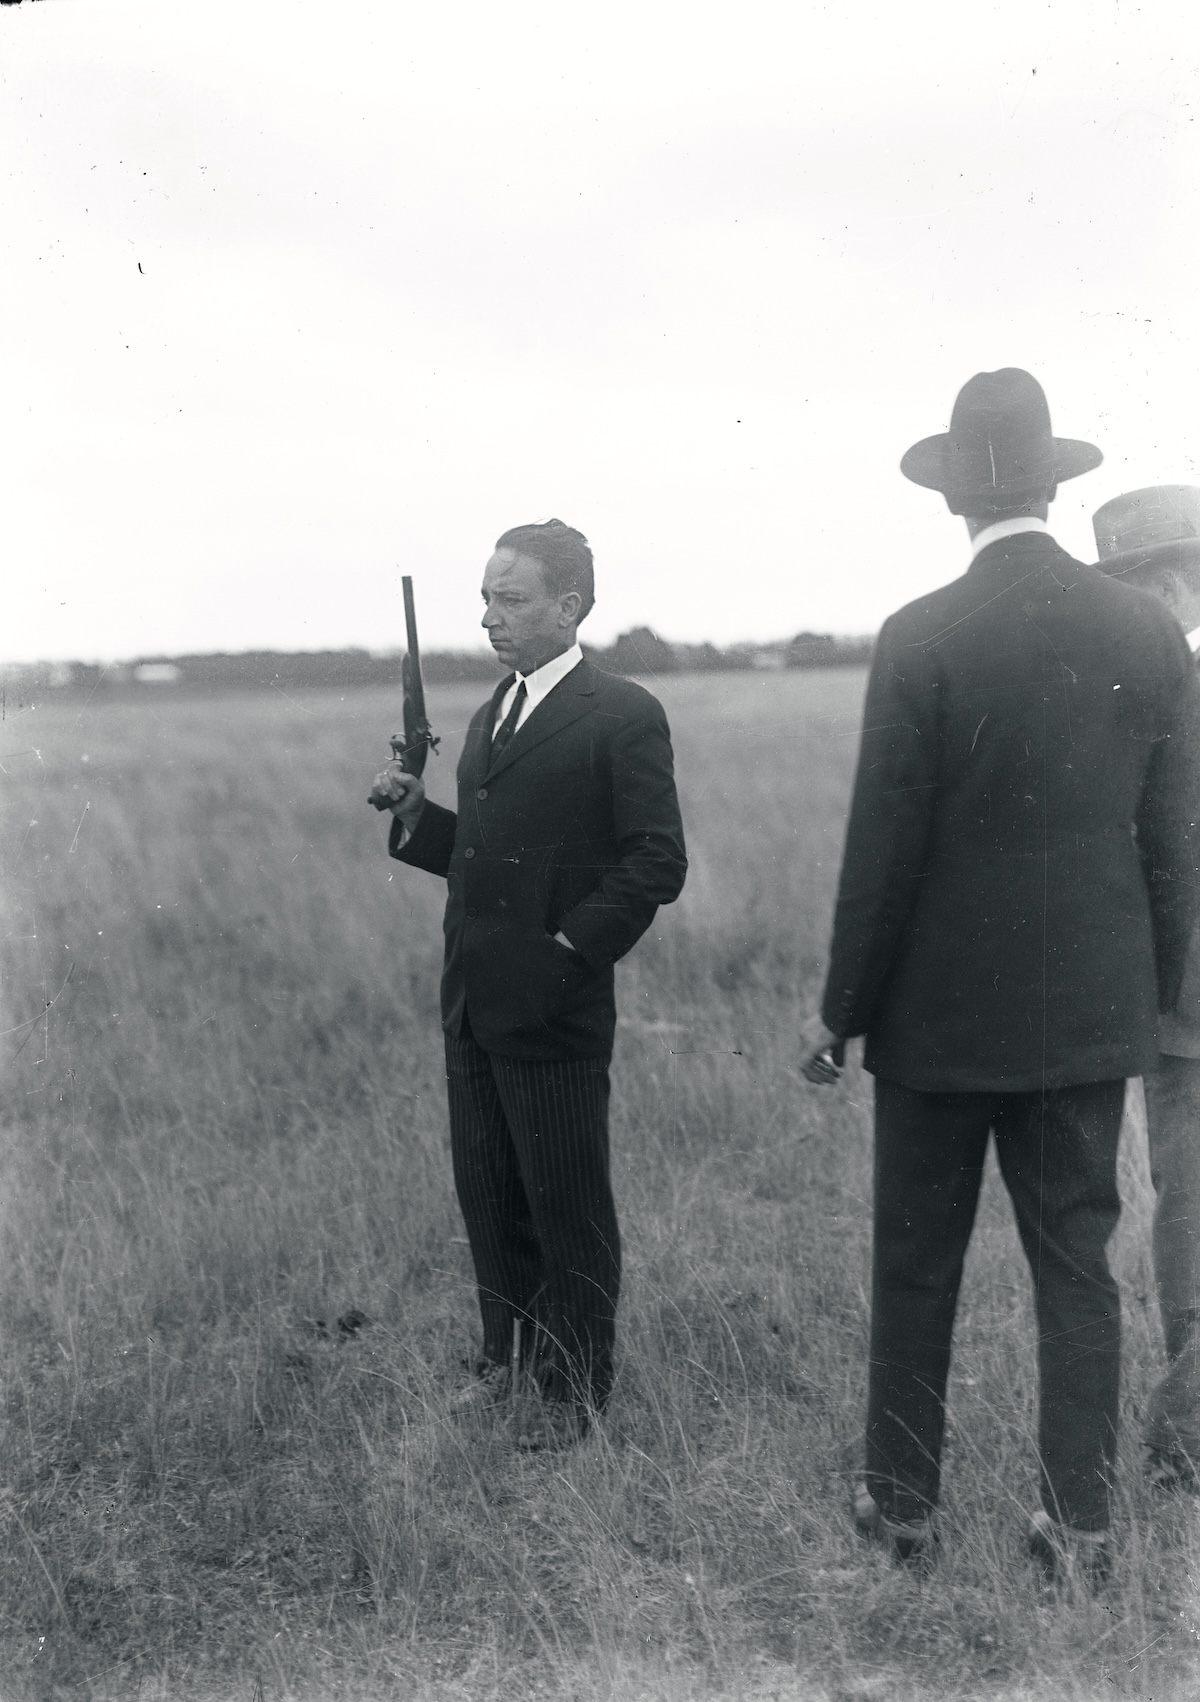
529 1142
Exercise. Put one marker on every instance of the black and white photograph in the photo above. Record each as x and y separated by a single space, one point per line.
600 821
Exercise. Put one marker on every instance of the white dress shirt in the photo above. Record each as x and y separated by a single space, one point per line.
1006 529
537 684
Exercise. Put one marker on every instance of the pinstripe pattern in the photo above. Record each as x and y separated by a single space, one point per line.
529 1141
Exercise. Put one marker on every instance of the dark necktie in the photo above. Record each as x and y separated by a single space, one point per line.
508 726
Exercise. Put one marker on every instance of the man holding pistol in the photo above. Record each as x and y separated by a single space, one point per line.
566 840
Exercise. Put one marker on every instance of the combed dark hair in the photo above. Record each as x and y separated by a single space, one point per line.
565 556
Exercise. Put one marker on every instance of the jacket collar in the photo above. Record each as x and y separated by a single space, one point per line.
1006 529
572 697
1022 551
489 721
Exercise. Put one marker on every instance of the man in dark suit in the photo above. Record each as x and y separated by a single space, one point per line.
1151 539
566 840
1015 903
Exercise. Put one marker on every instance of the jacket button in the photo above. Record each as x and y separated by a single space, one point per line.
469 852
472 913
482 792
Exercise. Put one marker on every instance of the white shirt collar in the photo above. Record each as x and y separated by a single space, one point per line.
1006 529
1193 639
545 678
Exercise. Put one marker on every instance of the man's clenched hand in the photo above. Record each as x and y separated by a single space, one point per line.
825 1052
403 794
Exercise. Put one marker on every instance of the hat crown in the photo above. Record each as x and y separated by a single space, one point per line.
1145 519
1000 451
1000 442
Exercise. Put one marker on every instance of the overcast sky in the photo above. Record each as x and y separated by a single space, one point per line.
298 297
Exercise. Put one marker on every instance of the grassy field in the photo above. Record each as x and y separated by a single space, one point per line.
225 1129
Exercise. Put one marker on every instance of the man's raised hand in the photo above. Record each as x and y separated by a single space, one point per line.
402 793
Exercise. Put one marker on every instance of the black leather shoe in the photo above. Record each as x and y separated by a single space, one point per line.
552 1426
488 1389
909 1542
1171 1472
1062 1556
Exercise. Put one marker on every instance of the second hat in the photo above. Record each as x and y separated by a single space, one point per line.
1147 530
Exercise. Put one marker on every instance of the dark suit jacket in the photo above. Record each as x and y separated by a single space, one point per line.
1019 877
574 827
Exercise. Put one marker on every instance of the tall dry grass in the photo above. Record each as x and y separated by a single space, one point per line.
225 1130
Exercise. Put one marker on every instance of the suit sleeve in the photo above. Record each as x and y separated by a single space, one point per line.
1167 834
651 862
430 844
888 831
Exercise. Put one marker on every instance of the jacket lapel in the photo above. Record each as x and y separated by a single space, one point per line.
477 748
570 698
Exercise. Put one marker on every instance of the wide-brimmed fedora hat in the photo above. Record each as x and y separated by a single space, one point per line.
1146 532
999 452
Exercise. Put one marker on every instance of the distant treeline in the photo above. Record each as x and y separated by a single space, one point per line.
640 651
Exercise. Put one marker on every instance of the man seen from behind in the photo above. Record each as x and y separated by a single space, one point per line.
1016 899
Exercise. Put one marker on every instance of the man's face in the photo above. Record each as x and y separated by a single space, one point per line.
1179 592
526 623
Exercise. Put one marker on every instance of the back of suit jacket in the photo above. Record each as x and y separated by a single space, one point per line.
575 827
1020 869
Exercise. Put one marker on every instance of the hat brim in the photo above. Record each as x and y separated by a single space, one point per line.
1182 554
925 463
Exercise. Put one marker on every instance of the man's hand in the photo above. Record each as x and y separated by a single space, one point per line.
825 1053
403 794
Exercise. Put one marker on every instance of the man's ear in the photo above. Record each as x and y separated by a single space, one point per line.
1182 596
570 605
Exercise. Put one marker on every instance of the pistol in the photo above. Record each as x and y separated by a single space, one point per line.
412 746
